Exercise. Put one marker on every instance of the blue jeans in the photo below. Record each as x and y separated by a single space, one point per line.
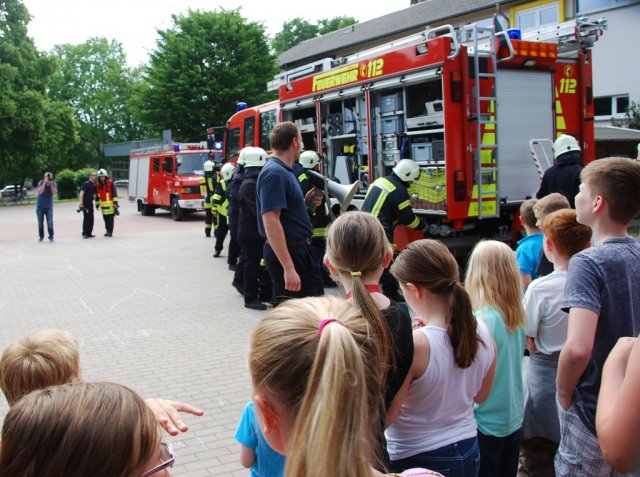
41 212
460 459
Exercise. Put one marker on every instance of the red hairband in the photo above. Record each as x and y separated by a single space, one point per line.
325 322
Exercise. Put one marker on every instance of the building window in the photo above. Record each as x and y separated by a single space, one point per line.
534 15
588 6
611 106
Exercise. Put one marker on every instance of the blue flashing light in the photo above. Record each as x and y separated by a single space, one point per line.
176 148
514 33
242 105
217 145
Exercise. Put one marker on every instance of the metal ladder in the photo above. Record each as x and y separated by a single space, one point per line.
484 121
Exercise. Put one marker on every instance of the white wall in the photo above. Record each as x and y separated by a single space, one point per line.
616 55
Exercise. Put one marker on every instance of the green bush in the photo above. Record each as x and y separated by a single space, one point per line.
82 175
67 188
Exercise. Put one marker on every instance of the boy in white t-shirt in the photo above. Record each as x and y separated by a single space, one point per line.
546 334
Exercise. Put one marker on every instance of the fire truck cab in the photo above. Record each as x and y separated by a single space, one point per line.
168 178
464 104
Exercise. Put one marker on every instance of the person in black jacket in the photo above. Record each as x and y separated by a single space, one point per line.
251 242
564 175
388 200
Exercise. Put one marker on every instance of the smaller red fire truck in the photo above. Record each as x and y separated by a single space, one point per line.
168 177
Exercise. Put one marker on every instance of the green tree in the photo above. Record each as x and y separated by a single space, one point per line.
336 23
204 65
95 81
293 32
35 132
298 30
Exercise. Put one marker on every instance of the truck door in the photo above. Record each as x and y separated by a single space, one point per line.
525 110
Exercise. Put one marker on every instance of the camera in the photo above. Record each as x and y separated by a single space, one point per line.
80 209
49 176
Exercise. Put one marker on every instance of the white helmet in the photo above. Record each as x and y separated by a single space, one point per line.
309 159
564 143
227 171
407 170
252 157
102 172
208 165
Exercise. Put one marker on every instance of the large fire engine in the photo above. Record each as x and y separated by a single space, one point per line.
464 104
168 177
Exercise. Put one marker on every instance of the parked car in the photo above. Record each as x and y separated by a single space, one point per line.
9 192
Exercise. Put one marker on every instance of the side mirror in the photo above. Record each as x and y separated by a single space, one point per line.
179 161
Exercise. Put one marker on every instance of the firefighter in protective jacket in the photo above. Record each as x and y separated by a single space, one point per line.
219 203
207 187
107 200
388 200
319 216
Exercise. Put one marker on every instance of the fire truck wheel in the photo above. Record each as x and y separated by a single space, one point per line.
148 209
176 212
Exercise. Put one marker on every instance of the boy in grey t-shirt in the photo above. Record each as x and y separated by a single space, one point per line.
602 296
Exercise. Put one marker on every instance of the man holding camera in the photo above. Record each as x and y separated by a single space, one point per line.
87 194
47 188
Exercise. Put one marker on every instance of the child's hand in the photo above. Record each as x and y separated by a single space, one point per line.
531 345
166 414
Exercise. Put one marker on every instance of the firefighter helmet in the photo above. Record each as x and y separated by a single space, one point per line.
309 159
227 171
564 143
102 172
253 157
407 170
208 165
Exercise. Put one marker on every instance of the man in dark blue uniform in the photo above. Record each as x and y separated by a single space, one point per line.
251 242
294 269
388 200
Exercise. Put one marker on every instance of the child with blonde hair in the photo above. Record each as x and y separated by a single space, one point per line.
52 357
314 366
493 283
453 367
42 359
82 429
359 273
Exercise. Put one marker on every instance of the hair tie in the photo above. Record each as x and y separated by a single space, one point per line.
451 285
325 322
356 274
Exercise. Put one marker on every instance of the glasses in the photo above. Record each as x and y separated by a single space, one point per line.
93 175
167 456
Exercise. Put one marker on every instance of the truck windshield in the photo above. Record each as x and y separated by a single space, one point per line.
192 163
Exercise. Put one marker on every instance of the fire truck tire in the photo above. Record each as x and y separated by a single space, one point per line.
148 209
176 212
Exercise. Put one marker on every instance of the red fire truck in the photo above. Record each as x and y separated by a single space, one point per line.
168 177
464 104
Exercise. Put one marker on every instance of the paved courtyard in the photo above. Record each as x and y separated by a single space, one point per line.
151 309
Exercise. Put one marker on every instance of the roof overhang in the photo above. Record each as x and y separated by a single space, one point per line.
613 133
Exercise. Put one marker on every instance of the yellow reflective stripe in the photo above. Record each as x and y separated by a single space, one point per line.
216 197
302 177
224 185
319 232
386 187
404 205
414 224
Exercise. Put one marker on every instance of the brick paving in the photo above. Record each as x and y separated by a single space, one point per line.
151 309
